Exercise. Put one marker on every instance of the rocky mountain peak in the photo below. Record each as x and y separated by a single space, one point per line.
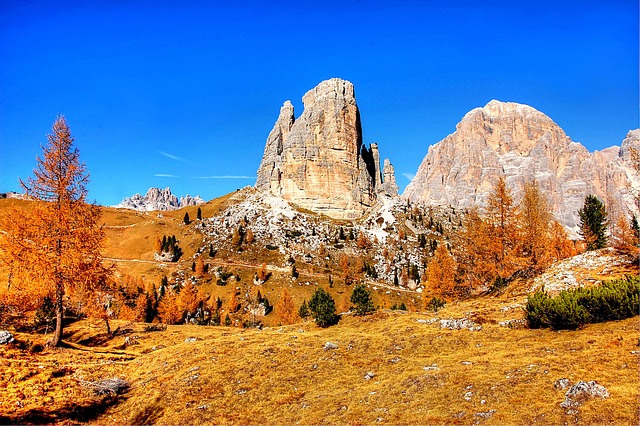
158 199
318 160
632 140
522 144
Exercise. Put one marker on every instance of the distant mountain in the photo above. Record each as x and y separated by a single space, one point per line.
11 194
522 144
158 199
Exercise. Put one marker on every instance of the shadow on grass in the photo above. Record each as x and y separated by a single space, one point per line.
70 412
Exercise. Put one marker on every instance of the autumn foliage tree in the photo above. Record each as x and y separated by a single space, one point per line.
536 219
285 309
56 248
441 273
501 215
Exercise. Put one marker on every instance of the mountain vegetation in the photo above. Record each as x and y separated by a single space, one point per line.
387 309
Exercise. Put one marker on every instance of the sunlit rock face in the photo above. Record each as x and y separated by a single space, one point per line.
318 161
522 144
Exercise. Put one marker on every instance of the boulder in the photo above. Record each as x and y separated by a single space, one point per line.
6 337
582 391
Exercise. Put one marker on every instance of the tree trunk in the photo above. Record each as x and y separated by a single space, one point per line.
106 321
57 336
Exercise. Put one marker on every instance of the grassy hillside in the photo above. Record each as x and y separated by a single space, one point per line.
422 374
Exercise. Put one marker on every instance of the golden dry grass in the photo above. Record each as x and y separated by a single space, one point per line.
282 375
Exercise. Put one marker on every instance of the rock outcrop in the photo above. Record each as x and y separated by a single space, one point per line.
158 199
522 144
318 161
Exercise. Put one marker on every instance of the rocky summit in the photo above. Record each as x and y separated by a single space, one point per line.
522 144
158 199
318 160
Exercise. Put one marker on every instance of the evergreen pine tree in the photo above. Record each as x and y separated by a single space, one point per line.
323 308
186 218
199 214
593 223
303 312
361 298
635 228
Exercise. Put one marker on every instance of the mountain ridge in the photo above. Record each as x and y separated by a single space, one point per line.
158 199
522 144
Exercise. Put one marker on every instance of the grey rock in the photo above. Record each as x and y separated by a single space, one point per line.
6 337
329 346
459 324
582 391
190 339
370 375
562 384
485 414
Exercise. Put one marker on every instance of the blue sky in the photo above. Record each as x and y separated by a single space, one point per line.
184 94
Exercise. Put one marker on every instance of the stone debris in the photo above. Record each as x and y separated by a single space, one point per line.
513 323
190 339
370 375
582 391
577 271
562 384
460 324
485 414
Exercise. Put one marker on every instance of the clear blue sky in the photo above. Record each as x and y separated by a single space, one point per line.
170 93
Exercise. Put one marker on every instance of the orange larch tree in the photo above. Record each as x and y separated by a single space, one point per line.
535 218
285 309
501 214
441 273
56 248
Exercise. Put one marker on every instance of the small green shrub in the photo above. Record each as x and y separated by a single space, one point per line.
400 307
303 312
435 304
323 308
572 309
361 298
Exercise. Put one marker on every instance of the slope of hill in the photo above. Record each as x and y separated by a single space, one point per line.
389 368
421 372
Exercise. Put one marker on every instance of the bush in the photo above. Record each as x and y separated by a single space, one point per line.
571 309
303 312
361 298
323 308
435 304
400 307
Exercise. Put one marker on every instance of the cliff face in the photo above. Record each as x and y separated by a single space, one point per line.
318 161
522 144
